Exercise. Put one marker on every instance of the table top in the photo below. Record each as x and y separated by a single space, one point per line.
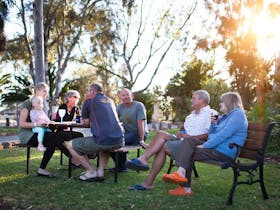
64 125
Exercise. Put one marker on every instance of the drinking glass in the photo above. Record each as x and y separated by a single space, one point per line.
61 113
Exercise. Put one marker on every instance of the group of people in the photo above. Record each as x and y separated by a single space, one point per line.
99 113
205 138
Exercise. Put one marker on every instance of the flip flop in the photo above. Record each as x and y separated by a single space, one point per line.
100 179
136 164
138 187
87 178
50 175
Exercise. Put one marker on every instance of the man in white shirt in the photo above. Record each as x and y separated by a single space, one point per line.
196 125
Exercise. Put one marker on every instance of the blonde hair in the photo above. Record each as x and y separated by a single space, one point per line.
35 99
41 86
232 100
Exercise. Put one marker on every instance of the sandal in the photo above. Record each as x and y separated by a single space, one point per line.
138 187
88 177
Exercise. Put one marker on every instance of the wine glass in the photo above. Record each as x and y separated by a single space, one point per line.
61 113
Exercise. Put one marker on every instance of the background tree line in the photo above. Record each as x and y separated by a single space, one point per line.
107 42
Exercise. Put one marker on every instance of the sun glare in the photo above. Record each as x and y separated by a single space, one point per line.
268 34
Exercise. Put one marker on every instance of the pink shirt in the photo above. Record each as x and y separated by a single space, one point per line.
39 116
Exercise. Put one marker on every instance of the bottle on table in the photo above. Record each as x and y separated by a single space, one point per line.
78 115
182 131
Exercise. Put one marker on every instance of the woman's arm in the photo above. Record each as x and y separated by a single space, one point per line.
23 119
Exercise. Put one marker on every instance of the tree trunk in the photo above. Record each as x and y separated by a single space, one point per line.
38 40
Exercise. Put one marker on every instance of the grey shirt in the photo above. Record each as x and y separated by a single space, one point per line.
130 115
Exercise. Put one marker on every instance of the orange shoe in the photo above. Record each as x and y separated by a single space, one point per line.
180 191
174 178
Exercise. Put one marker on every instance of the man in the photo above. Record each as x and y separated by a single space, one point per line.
196 125
107 134
133 116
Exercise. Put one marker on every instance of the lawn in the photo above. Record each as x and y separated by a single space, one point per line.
20 191
8 131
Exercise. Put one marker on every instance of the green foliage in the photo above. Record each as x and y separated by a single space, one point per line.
182 85
215 87
17 92
4 81
268 112
165 102
147 99
274 145
251 74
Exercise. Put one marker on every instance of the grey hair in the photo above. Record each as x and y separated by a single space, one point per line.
232 100
71 93
204 95
98 88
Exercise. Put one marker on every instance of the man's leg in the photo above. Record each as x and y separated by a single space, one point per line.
80 158
157 165
103 160
156 146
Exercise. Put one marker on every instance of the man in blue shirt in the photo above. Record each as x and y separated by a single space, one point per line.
107 134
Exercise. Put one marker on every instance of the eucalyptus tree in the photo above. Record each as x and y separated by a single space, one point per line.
66 25
250 72
4 8
145 35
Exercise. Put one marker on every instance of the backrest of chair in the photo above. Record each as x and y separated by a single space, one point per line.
257 138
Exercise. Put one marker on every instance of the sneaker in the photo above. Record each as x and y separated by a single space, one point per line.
174 178
41 148
180 191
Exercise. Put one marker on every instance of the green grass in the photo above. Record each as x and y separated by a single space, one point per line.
8 130
211 189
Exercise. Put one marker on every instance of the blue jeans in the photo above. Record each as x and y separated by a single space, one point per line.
41 132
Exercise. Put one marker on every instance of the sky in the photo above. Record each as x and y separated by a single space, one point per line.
176 56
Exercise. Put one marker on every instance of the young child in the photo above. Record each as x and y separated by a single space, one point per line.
38 116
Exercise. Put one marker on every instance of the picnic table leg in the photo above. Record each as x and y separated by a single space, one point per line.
69 166
70 156
27 159
61 158
116 166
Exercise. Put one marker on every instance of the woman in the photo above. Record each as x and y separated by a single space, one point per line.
51 139
72 99
231 127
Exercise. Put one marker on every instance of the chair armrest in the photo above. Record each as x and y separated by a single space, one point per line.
238 149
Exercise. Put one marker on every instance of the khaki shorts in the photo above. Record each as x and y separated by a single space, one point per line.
87 146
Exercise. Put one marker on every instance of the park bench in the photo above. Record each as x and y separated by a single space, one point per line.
249 159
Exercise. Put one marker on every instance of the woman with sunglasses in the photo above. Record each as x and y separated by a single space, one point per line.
72 99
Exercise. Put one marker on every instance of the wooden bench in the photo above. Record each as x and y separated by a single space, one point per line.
252 152
28 148
117 152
